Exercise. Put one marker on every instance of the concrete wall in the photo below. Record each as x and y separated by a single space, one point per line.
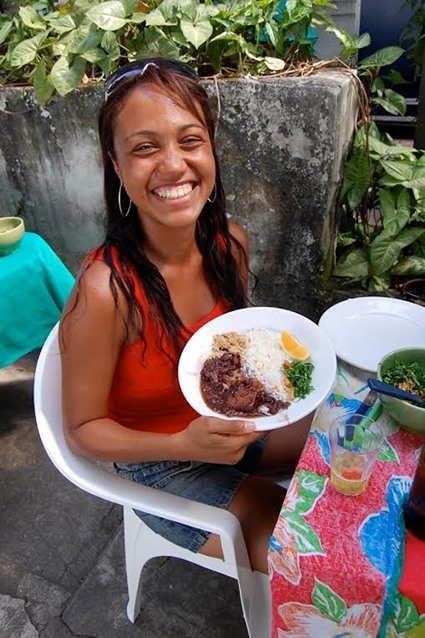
281 140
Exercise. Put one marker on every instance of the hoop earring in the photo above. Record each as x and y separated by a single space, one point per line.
119 202
212 199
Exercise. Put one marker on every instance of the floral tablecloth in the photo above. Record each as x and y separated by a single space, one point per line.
335 561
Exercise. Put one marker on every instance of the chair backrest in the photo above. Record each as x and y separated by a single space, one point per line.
49 417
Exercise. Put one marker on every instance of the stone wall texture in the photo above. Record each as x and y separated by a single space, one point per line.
281 143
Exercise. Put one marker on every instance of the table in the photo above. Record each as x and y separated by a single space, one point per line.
335 561
34 285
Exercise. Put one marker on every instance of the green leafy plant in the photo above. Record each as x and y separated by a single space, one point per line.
56 46
382 208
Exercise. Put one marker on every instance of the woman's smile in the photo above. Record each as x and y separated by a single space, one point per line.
177 191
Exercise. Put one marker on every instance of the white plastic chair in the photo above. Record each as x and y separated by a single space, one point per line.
140 542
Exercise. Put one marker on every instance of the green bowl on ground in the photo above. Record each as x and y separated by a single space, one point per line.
409 416
11 232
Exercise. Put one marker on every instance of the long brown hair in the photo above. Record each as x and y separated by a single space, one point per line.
124 246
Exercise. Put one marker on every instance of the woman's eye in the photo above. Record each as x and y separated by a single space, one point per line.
192 141
144 148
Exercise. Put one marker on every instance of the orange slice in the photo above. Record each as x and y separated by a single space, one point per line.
293 347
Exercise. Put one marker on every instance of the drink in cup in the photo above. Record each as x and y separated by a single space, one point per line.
355 441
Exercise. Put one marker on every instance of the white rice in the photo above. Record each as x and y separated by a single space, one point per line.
263 358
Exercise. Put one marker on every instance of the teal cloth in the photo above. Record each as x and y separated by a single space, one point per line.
34 285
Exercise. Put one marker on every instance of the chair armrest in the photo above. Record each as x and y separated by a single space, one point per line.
99 482
111 487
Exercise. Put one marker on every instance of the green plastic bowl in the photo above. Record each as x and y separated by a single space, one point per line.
11 232
410 417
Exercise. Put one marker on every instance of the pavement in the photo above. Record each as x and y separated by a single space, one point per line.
62 570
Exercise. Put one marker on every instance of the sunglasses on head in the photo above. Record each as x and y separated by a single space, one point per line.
139 67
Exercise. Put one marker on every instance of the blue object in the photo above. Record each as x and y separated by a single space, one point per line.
393 391
34 285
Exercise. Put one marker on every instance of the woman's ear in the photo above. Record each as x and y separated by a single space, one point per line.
115 165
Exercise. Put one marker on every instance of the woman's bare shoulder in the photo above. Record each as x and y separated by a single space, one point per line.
92 292
239 234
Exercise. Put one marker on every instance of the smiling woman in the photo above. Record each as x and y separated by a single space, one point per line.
170 263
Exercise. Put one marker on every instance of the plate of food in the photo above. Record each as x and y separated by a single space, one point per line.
268 365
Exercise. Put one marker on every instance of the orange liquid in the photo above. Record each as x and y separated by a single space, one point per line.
347 473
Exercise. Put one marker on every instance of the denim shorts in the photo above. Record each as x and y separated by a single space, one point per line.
208 483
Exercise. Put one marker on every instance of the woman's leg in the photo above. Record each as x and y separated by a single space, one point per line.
258 500
256 504
284 446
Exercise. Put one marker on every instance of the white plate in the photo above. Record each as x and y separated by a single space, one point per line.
198 349
365 329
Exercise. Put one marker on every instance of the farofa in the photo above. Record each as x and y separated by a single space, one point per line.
232 342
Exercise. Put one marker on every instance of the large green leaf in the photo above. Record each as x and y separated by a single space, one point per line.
110 44
388 211
31 18
156 18
380 150
43 89
353 264
385 249
85 38
5 30
417 179
197 33
356 179
411 265
401 171
66 77
404 203
108 16
397 100
362 40
391 102
25 51
379 284
94 56
418 247
157 43
383 57
62 24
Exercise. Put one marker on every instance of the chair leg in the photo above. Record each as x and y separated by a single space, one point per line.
256 606
133 567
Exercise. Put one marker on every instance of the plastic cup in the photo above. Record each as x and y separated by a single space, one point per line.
355 441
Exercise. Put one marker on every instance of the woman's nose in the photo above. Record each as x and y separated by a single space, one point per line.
172 159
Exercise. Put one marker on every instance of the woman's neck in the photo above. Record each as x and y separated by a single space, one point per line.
174 247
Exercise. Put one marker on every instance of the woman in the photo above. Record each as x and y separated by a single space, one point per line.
170 262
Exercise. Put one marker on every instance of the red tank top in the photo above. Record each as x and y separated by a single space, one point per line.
145 393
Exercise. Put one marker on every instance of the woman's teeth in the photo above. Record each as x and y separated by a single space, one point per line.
175 192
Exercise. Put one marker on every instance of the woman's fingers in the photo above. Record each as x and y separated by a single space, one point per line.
237 427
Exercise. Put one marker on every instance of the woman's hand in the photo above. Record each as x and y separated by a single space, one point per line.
212 440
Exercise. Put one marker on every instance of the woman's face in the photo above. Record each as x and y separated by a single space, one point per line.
164 158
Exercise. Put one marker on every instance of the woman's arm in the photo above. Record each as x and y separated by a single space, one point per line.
91 336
